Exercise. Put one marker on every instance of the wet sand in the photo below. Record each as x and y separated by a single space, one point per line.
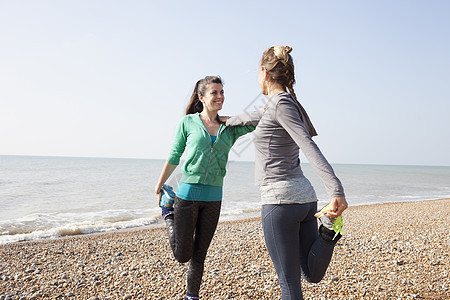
388 251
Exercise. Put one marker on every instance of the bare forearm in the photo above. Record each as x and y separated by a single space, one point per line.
165 174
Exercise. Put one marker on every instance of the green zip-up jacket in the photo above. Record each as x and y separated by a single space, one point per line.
204 163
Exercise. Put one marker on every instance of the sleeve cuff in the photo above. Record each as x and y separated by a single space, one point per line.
173 160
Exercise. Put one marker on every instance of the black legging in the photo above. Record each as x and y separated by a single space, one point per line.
190 231
295 247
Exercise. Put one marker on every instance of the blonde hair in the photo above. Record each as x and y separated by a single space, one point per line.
282 53
278 63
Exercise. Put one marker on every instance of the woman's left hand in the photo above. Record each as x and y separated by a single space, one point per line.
223 119
338 205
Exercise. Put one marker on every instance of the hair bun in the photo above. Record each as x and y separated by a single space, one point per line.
288 49
282 53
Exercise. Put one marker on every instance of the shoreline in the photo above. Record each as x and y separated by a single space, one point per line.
388 250
161 225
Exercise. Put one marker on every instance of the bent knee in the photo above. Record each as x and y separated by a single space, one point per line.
314 279
182 258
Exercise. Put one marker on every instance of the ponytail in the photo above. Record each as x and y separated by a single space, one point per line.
291 91
195 105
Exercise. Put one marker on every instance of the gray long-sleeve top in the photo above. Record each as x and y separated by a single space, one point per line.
279 135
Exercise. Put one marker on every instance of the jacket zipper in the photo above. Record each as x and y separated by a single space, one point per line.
210 153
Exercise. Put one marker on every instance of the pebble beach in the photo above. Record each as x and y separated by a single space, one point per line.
388 251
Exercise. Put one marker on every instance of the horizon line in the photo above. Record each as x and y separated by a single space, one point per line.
243 161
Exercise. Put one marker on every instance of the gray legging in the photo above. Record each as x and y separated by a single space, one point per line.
292 238
190 231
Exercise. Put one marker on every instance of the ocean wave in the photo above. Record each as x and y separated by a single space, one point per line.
41 226
76 229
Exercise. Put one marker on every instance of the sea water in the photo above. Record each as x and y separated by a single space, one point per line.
43 197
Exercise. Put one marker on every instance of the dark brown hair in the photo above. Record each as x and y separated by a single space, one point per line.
195 105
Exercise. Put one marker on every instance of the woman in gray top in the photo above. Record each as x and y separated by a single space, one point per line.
296 245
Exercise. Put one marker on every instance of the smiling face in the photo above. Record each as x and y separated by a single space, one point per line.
213 97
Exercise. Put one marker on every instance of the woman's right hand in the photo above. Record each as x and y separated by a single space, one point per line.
158 194
165 174
338 205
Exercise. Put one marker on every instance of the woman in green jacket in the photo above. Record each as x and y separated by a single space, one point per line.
199 194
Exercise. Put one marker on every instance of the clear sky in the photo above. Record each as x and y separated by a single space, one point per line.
112 78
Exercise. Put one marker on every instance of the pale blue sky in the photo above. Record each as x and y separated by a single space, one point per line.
112 78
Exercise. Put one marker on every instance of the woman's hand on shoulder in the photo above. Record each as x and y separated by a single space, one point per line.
338 205
223 119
